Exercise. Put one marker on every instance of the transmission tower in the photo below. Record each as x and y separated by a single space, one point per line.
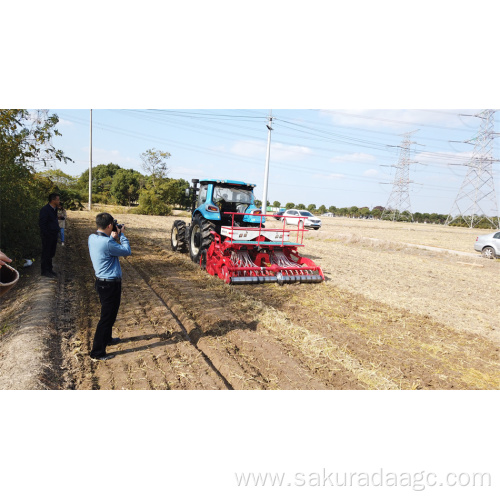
476 200
398 205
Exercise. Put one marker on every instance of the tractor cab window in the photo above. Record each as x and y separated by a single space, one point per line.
228 194
202 194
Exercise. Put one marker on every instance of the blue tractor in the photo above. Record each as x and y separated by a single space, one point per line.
214 204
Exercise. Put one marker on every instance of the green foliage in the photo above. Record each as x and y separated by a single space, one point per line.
257 203
154 162
332 209
289 206
102 179
311 207
277 204
57 181
300 206
173 192
25 142
125 186
322 209
159 200
150 203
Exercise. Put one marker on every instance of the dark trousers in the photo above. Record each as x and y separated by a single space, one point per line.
109 294
49 245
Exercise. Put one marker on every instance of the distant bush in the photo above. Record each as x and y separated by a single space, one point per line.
150 203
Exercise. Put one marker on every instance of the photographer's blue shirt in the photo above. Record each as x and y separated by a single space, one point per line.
104 253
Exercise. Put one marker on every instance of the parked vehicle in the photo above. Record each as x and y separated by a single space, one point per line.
279 213
302 217
488 245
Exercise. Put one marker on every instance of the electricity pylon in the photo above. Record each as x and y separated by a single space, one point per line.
476 199
398 206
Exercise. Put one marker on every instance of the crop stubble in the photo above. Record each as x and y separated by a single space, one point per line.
388 317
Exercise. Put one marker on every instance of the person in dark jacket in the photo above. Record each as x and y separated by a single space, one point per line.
49 231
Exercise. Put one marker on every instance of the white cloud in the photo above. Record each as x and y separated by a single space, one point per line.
333 176
104 156
371 173
359 157
218 149
64 123
443 158
279 151
398 119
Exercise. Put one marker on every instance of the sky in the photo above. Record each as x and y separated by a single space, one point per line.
339 157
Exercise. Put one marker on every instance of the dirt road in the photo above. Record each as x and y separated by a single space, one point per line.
183 329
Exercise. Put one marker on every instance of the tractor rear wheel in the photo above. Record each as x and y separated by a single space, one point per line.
200 237
178 237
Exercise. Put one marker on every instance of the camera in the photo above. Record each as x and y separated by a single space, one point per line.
117 226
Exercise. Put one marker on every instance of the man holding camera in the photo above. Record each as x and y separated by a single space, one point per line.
105 247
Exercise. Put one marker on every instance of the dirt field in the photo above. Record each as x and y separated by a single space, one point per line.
389 316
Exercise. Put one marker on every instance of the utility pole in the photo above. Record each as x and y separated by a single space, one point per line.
476 199
399 199
266 174
90 165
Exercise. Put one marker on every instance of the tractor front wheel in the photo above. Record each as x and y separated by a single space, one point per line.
200 237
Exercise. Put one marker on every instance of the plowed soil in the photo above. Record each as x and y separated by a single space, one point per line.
389 316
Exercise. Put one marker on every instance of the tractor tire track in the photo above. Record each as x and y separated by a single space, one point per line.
246 354
154 352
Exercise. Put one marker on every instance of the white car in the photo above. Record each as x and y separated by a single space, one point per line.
488 245
304 217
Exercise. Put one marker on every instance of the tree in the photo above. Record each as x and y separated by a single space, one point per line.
257 203
125 186
300 206
311 207
173 191
289 206
154 162
150 203
322 209
57 181
102 179
277 204
59 178
332 209
25 143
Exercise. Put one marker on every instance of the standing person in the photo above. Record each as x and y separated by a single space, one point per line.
61 216
49 231
105 252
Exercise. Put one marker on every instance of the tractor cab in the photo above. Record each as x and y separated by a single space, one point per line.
215 198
